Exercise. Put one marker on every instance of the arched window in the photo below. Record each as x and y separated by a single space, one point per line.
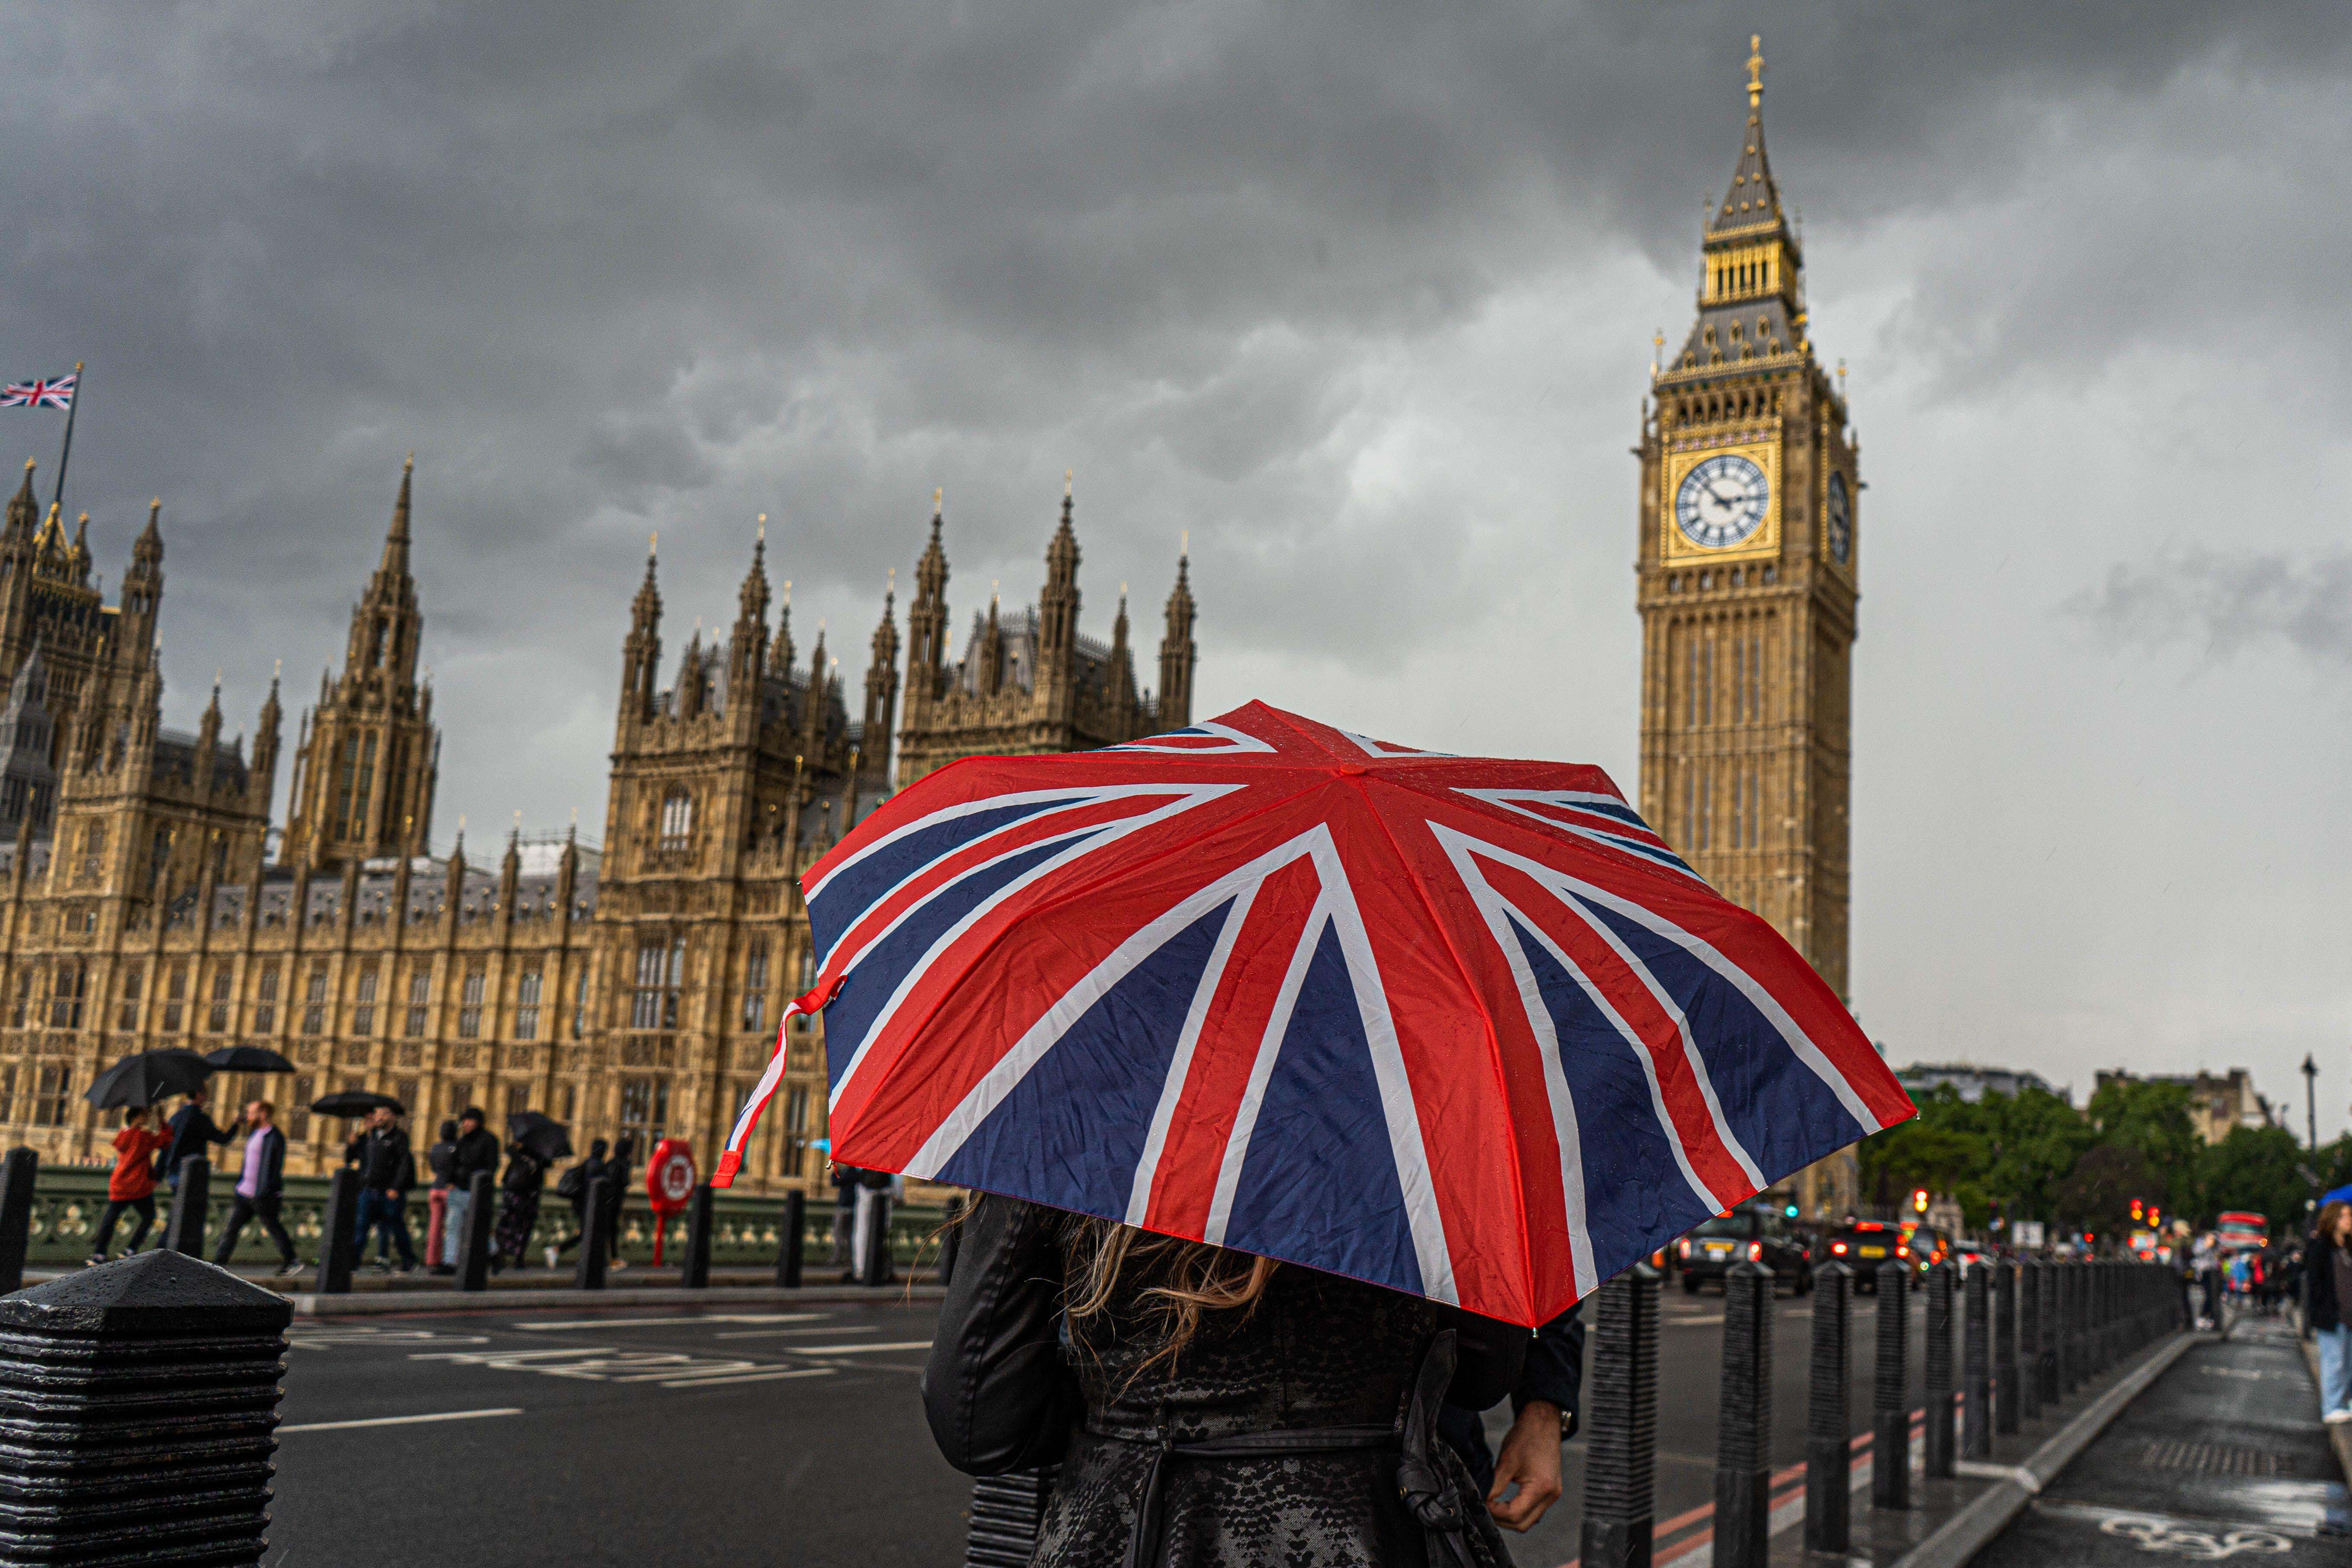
676 820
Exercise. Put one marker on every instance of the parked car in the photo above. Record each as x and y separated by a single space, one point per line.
1970 1254
1866 1243
1753 1231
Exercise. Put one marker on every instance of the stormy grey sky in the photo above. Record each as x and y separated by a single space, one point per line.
1361 296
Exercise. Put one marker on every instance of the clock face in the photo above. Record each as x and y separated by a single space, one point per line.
1841 522
1722 501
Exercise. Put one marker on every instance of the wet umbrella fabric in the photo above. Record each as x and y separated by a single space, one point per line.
1466 1028
354 1102
542 1135
148 1076
247 1059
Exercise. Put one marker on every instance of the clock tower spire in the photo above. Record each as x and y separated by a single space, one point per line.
1746 560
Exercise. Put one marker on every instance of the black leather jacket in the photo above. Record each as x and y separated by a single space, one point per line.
1196 1445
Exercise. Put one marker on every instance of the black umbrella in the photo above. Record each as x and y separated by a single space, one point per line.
247 1059
148 1076
355 1103
542 1135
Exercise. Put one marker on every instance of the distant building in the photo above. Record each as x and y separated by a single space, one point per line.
1974 1082
2217 1102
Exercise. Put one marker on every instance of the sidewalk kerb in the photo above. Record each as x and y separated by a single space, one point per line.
389 1303
1971 1529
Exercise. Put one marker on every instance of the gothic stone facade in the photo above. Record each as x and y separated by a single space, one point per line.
1747 560
632 990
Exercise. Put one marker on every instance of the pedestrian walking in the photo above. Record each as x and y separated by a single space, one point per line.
260 1184
574 1189
192 1133
616 1188
1212 1408
871 1186
2328 1293
845 1215
387 1170
519 1192
476 1153
1544 1404
436 1196
132 1185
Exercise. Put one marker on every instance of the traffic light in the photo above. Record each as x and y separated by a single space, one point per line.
1919 1201
2134 1211
2155 1217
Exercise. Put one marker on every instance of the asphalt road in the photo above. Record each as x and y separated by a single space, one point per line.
767 1434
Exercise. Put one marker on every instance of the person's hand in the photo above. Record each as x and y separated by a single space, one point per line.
1530 1459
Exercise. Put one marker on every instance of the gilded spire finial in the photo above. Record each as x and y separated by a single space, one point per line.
1069 479
1184 542
939 499
653 543
1754 70
788 592
764 528
409 464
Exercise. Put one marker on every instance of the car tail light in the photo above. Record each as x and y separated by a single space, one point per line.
1755 1252
1681 1249
1902 1252
1837 1247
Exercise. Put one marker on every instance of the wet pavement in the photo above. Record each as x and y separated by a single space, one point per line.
2222 1459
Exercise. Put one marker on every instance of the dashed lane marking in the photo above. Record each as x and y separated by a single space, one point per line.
675 1320
775 1333
400 1420
851 1349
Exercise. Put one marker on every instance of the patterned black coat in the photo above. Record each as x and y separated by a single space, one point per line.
1011 1387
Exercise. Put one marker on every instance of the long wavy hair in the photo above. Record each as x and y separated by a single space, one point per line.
1178 1282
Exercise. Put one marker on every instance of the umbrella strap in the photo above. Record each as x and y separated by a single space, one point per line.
732 1160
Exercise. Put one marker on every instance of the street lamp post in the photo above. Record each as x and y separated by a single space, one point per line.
2311 1099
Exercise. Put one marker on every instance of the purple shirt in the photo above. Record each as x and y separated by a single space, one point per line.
250 1184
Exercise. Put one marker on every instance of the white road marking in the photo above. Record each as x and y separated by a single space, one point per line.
848 1350
655 1322
752 1378
400 1420
771 1333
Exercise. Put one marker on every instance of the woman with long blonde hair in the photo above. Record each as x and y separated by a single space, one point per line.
1210 1409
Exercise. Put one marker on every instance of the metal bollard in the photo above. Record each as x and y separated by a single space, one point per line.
1006 1514
139 1398
339 1242
2004 1346
1976 1365
2029 1340
790 1232
1939 1358
950 1240
694 1273
1743 1452
595 1235
1829 1470
184 1229
18 1174
1620 1422
877 1262
2048 1340
474 1245
1890 1393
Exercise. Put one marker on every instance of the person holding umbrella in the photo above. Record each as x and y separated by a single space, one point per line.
536 1144
132 1185
259 1187
192 1132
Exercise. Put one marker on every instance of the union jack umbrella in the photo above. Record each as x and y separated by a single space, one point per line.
1462 1027
39 393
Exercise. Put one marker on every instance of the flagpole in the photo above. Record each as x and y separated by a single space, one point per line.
73 404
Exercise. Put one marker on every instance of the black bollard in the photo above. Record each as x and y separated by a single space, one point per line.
1828 1450
2029 1340
876 1261
1939 1357
2048 1334
790 1232
1743 1451
2071 1331
474 1246
1975 1364
950 1240
339 1242
140 1399
18 1174
1620 1422
2004 1346
1890 1393
1007 1513
184 1229
694 1274
595 1235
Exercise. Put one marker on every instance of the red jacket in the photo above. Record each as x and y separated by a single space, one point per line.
134 1163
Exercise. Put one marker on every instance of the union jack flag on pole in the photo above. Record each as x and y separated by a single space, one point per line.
58 394
1464 1027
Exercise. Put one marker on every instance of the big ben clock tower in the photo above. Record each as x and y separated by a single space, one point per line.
1750 543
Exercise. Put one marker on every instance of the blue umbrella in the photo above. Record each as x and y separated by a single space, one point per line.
2341 1195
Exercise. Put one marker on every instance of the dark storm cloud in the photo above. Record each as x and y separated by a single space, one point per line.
609 269
2226 603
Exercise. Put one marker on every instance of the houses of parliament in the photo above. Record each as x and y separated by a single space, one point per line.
633 988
